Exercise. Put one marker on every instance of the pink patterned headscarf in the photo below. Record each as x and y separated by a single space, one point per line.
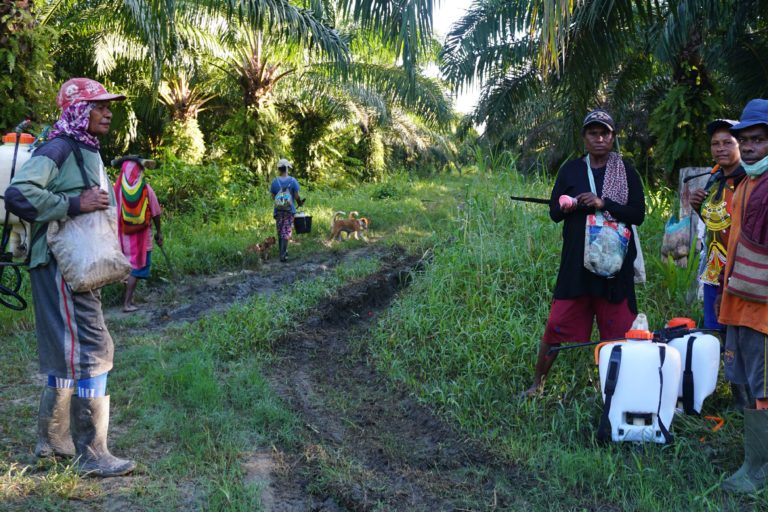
74 122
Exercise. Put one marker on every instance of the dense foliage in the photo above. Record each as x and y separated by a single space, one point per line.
338 87
664 69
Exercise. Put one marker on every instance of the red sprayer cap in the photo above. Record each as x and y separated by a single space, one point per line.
638 334
10 138
681 321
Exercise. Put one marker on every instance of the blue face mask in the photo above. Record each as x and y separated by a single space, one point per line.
756 169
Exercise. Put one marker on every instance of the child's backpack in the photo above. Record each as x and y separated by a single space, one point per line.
284 198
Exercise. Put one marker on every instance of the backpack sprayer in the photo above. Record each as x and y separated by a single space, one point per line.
14 231
647 377
9 289
676 328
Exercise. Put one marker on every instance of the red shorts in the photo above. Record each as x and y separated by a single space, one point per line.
570 320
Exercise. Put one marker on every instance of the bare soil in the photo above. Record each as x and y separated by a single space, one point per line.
370 445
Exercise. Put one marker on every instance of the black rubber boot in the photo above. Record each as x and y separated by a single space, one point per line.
90 422
53 435
283 245
753 474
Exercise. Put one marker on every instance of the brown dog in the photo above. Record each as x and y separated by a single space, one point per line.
262 248
352 226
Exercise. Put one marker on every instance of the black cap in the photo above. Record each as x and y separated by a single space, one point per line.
719 124
599 116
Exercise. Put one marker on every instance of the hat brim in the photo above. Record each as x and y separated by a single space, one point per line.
602 123
746 124
107 97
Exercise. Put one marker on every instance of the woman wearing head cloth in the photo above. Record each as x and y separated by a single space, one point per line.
600 182
75 348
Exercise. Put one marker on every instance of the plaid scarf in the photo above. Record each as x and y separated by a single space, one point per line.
74 122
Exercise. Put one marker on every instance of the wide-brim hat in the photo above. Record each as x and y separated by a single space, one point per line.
754 113
75 90
599 116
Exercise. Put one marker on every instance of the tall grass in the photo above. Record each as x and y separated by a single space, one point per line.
465 339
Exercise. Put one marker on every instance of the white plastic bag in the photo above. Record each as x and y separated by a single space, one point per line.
87 250
605 245
639 265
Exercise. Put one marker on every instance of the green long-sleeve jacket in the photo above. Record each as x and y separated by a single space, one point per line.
48 187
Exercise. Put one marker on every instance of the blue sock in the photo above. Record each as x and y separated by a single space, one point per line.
92 387
60 382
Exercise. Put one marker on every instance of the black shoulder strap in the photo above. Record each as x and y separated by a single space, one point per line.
42 229
612 377
78 158
662 354
688 379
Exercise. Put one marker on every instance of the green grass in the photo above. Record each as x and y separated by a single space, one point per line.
465 339
192 403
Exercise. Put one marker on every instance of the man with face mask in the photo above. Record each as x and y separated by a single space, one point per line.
744 298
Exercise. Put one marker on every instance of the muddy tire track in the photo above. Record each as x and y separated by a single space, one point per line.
370 445
194 297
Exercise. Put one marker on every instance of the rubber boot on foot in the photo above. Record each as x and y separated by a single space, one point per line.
283 244
90 423
53 435
753 474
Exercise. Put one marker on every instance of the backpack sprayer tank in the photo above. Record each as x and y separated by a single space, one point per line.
19 236
700 358
639 380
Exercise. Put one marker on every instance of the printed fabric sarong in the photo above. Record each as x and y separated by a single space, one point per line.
284 224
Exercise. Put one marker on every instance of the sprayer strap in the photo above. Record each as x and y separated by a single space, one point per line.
688 379
79 159
42 229
611 378
662 354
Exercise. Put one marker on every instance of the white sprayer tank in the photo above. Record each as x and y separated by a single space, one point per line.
698 377
19 240
644 398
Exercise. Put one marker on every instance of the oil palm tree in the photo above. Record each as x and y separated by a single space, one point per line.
634 55
182 135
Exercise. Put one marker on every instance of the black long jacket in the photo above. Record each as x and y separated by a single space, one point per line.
573 280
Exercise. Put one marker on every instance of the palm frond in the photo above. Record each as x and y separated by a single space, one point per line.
405 24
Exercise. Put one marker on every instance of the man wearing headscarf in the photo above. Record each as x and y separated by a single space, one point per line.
75 348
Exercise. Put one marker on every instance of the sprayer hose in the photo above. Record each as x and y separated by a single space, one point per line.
9 296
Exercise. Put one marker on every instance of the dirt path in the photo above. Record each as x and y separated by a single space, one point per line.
192 297
370 446
367 444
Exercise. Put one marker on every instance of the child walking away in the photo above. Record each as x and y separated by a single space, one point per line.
136 205
285 193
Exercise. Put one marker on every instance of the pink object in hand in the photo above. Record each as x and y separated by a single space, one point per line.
566 201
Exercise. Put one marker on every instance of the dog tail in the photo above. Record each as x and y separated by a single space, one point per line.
337 216
353 215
